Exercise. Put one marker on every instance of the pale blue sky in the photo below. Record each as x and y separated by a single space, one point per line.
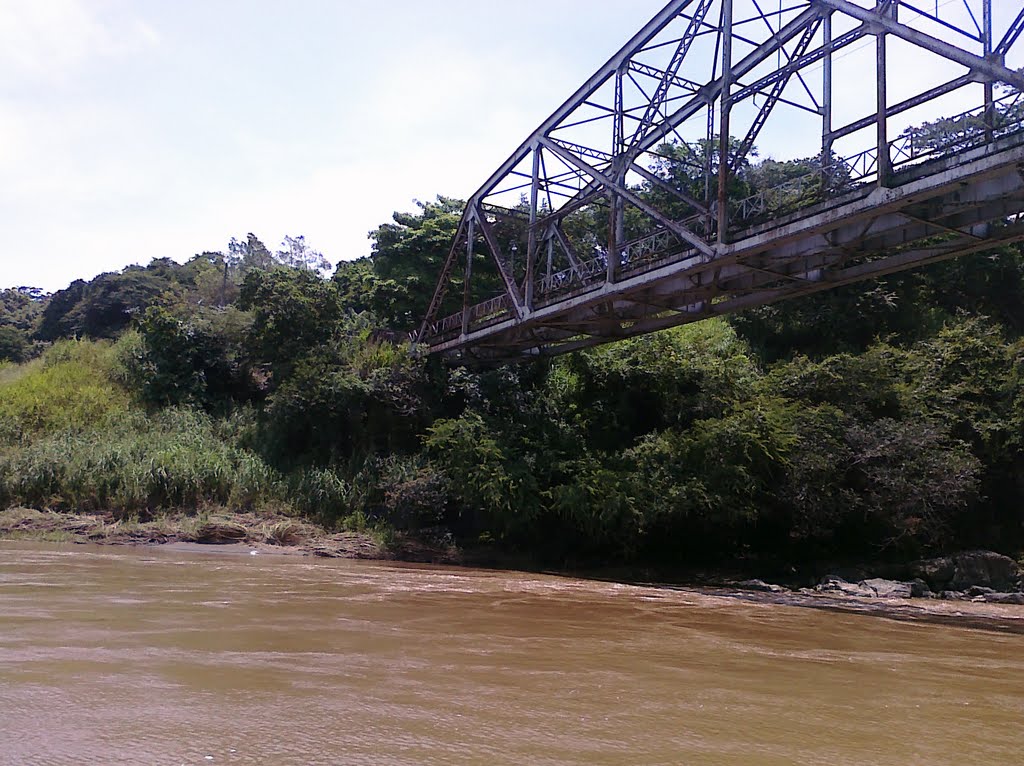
131 129
134 129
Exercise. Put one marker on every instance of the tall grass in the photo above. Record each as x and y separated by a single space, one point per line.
137 463
72 437
70 388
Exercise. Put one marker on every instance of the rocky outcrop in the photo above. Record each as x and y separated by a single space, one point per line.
760 586
873 588
963 571
889 588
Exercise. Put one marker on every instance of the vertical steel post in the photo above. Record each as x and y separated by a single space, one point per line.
882 116
470 238
532 246
551 252
990 96
826 99
614 213
616 207
709 156
723 139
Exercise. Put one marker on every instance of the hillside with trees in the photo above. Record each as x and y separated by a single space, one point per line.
880 421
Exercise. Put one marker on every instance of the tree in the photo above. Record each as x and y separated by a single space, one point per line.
14 344
293 312
250 254
297 254
407 259
105 306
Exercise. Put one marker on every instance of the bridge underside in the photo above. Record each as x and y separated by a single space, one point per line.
968 204
637 207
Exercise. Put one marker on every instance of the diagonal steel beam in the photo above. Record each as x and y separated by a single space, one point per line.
492 244
1015 30
624 192
442 284
773 98
656 102
713 90
667 15
991 69
662 183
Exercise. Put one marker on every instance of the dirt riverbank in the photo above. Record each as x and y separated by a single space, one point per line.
265 533
243 533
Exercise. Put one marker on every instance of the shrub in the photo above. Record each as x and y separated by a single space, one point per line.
320 493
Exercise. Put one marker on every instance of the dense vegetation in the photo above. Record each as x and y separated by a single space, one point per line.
872 421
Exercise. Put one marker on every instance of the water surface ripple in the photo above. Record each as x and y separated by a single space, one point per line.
114 656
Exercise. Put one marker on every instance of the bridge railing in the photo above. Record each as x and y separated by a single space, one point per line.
967 130
481 315
635 255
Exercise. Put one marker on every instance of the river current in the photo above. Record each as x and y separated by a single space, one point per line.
149 656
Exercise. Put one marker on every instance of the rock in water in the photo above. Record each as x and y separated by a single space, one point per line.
889 588
1016 599
963 571
760 586
919 589
874 588
834 584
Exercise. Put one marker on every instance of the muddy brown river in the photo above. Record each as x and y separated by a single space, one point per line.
148 656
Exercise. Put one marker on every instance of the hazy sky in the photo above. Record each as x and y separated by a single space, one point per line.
133 129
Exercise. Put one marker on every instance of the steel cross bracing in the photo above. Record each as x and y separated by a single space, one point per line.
639 204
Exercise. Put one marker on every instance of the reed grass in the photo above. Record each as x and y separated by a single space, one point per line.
136 463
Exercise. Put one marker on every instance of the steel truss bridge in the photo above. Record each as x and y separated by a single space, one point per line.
636 205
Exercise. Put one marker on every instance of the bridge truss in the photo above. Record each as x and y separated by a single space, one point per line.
637 205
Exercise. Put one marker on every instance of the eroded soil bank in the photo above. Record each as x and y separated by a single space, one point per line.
263 533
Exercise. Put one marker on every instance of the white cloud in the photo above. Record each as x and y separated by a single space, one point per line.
49 39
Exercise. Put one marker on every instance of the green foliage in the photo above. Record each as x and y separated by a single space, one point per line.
900 309
494 494
622 391
401 492
351 397
408 255
20 309
717 476
105 306
14 344
598 511
134 463
294 311
71 387
865 386
356 284
961 378
320 493
192 361
910 479
863 421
